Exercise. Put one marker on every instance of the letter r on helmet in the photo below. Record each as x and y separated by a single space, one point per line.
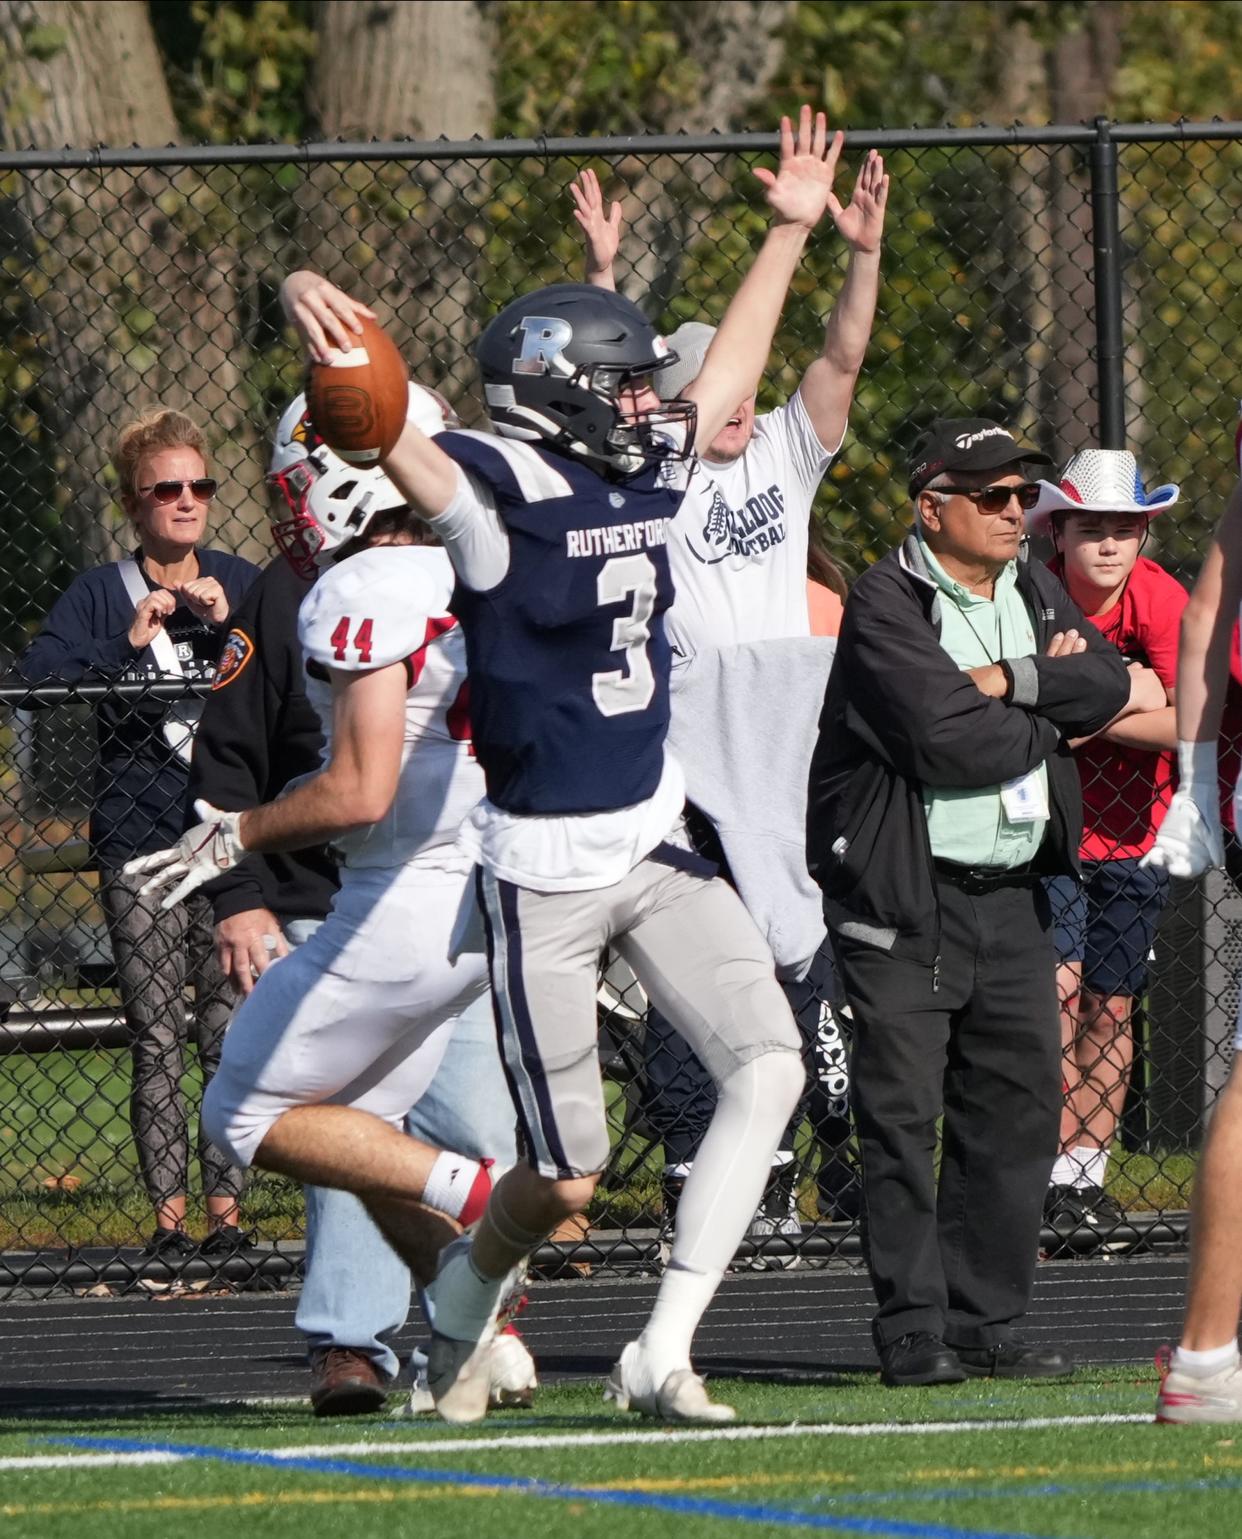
544 339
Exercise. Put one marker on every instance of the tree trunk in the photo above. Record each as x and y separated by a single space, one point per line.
129 305
738 47
1081 65
1020 70
404 237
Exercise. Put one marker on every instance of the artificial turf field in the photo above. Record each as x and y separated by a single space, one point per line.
1079 1460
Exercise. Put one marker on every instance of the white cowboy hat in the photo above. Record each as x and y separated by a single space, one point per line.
1098 481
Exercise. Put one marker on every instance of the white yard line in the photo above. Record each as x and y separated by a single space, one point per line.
83 1461
694 1435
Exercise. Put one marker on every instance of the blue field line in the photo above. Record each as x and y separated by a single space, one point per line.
523 1485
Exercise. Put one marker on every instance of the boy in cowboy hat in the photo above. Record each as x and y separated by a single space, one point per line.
1098 519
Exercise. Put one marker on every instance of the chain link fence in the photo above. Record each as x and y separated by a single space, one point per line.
1083 284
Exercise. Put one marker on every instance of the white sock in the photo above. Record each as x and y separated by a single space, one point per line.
465 1301
450 1183
680 1304
1064 1171
1094 1164
1202 1365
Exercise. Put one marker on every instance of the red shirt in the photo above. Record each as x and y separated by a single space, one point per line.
1126 791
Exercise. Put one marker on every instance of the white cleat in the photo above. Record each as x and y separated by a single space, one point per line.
512 1380
458 1376
1184 1398
680 1396
460 1370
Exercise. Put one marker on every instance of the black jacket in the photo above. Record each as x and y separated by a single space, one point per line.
258 732
899 714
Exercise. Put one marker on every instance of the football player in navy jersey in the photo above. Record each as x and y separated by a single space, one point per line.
556 531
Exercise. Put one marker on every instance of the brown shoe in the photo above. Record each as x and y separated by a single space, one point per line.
345 1383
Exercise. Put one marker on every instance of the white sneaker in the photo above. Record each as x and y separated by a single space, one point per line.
512 1380
1185 1397
764 1227
679 1396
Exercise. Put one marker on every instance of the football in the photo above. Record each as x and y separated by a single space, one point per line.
358 400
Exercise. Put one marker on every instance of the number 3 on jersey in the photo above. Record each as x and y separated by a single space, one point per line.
629 688
362 639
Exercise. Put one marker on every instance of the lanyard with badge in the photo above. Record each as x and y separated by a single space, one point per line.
1025 798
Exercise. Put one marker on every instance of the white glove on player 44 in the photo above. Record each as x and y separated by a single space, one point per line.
206 850
1190 841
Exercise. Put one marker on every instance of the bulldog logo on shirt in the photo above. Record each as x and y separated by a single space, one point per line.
757 527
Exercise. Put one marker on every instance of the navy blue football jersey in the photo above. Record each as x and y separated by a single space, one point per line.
567 656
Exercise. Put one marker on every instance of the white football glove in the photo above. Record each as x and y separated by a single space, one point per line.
209 848
1190 840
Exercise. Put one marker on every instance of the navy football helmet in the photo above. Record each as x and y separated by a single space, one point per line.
554 364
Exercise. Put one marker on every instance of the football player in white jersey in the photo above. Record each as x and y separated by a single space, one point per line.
340 1039
1203 1380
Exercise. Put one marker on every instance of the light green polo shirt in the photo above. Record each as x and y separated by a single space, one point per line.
970 827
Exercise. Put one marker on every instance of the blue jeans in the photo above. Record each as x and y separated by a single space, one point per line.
356 1291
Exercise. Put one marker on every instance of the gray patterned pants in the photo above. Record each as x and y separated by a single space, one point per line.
157 955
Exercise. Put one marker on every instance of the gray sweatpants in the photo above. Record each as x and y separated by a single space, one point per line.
690 943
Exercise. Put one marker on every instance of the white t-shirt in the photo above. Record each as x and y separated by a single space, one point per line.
738 546
577 853
382 606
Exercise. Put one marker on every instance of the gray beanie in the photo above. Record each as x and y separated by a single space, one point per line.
690 342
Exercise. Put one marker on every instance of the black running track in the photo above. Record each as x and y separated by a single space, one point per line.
67 1354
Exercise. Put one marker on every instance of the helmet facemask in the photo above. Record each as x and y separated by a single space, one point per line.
578 411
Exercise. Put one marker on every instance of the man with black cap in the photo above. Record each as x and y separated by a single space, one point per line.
941 790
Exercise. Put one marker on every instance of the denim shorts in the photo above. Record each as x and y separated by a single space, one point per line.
1108 922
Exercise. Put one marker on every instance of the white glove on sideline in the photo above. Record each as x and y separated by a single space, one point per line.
206 850
1190 840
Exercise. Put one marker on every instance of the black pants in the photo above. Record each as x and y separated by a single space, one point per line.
957 1257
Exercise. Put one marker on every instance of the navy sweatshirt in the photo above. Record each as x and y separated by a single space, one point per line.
257 733
140 781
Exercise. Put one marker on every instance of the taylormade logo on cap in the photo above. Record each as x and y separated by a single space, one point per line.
966 440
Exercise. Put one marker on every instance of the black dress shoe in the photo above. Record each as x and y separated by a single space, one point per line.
919 1358
1015 1360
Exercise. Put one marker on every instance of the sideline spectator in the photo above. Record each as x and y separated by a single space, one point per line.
259 732
740 548
1202 1380
161 612
1105 922
941 790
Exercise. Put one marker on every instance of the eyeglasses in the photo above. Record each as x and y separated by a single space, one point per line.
203 490
995 499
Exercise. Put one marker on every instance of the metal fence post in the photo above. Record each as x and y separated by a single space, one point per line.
1106 243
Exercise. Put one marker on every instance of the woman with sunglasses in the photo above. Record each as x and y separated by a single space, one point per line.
162 612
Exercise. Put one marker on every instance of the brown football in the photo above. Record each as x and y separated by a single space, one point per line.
358 401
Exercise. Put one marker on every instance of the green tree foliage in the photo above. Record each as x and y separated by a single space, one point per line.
964 323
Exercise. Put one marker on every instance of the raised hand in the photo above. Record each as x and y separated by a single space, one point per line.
800 189
601 231
149 617
861 222
205 599
327 319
